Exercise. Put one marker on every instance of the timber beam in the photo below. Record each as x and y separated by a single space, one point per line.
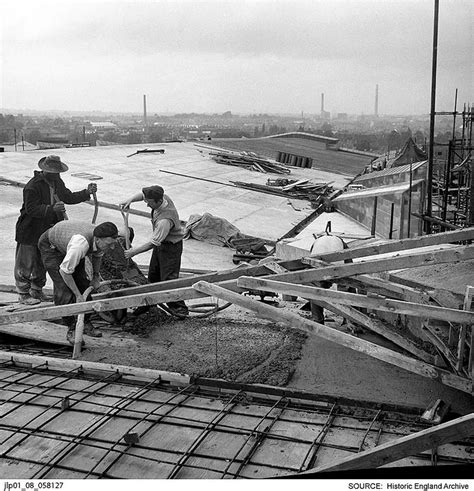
345 298
297 322
431 438
326 273
214 277
377 326
462 235
186 292
69 365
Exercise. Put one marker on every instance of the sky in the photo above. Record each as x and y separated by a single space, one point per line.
244 56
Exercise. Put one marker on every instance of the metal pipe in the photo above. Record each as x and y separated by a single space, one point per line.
409 200
392 210
429 200
374 217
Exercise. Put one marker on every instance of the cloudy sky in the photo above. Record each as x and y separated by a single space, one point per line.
247 56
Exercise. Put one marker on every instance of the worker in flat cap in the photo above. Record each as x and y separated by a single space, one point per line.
44 197
63 249
166 241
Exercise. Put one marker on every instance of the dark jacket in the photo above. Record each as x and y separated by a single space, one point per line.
37 213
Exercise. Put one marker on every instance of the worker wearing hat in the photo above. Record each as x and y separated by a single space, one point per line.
63 249
166 241
44 197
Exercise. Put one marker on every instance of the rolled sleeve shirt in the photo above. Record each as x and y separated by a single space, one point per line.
77 249
161 229
161 226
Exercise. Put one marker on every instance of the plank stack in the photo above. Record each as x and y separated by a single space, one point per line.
302 189
250 161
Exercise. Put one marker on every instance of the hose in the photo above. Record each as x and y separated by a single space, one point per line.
201 309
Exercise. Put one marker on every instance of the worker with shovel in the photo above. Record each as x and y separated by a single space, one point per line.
166 241
64 248
43 206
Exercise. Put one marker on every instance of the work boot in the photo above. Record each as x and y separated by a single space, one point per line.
40 295
91 331
26 299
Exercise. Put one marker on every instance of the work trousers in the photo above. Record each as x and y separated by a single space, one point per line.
317 312
63 295
165 264
29 270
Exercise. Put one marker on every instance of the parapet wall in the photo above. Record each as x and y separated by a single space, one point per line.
386 211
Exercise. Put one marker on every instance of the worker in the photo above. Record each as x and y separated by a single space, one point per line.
64 248
43 205
324 244
166 241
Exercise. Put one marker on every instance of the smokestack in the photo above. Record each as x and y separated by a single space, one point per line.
144 111
377 101
322 103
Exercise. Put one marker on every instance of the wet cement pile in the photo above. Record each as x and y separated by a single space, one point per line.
214 347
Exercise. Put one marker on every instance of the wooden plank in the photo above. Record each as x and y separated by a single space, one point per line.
305 274
62 364
399 245
438 343
345 298
51 333
380 328
295 184
463 331
106 305
383 287
55 312
110 206
351 342
212 277
436 220
452 255
457 429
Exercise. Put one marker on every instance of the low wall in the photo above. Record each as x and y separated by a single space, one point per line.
386 215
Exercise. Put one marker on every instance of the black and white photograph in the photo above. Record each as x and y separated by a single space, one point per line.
237 244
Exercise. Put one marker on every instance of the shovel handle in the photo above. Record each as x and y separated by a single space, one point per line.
56 199
96 207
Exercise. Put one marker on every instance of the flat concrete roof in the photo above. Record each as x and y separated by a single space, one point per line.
208 190
333 161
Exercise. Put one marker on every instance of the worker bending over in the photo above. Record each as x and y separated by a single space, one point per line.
322 245
64 248
43 206
166 241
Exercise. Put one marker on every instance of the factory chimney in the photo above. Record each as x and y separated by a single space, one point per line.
377 101
322 103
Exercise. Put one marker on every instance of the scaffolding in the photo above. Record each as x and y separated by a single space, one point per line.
452 186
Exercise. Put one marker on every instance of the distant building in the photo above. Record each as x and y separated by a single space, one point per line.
103 125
